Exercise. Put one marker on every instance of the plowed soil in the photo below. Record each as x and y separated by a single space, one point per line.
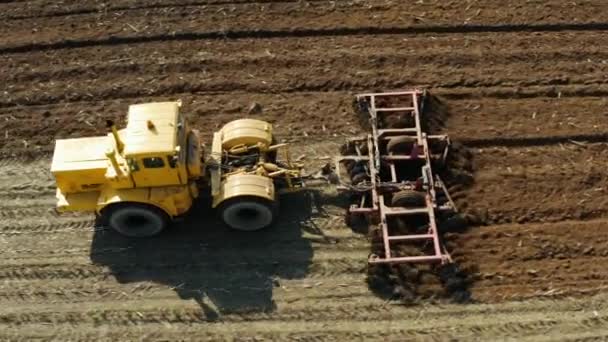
525 86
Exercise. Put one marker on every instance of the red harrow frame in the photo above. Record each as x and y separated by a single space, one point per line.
391 174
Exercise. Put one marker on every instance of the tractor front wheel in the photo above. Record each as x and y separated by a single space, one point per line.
136 220
248 213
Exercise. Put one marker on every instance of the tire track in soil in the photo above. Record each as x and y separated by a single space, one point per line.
322 335
321 313
45 220
43 211
71 271
287 300
468 326
66 291
79 225
346 247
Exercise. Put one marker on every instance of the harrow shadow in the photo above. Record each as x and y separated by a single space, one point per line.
223 270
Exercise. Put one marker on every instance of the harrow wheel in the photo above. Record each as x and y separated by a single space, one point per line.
408 198
359 177
400 144
356 169
455 282
398 121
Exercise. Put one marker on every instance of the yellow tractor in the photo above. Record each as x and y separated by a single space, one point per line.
139 178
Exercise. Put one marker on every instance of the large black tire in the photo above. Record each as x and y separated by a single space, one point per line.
396 120
356 169
407 198
136 220
248 213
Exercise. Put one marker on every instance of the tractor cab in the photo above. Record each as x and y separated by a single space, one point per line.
158 147
137 178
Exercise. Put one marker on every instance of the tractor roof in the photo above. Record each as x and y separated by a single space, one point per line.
151 128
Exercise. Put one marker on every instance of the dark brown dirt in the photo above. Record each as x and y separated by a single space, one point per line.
526 88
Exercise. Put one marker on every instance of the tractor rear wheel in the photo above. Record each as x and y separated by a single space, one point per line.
136 219
248 213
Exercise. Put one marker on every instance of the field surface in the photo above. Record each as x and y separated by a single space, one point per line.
525 83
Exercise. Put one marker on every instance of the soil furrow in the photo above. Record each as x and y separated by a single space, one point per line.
300 33
535 141
145 6
452 91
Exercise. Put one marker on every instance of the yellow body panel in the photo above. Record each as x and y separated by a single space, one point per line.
174 200
246 132
78 201
80 164
245 185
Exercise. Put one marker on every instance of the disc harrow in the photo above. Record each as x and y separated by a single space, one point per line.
391 173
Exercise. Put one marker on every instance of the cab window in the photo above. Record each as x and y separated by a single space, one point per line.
153 162
132 165
172 159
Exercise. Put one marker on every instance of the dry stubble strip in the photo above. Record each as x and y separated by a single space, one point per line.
370 313
71 271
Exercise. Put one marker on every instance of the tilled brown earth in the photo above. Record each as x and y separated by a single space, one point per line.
526 95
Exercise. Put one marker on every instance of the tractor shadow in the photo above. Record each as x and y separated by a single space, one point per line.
223 270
